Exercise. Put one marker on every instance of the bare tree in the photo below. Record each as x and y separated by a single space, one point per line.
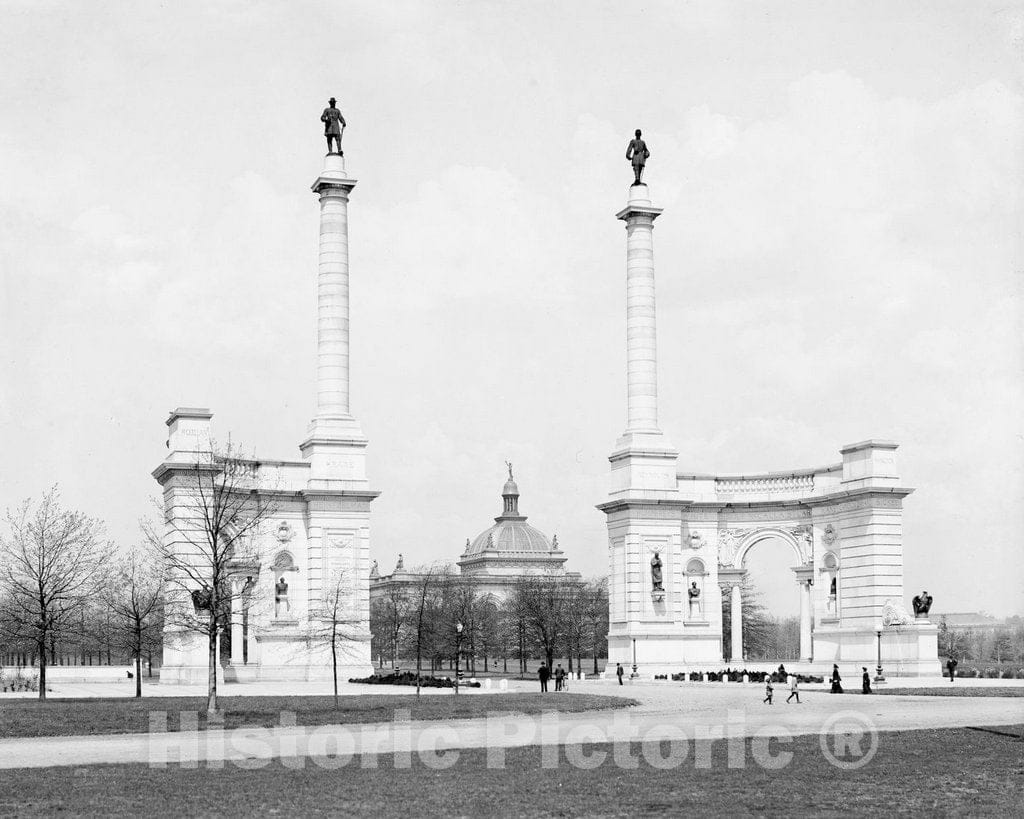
540 602
216 508
428 612
595 606
389 616
333 621
135 599
53 562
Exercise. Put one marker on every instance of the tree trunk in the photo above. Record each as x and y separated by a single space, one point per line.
42 666
211 699
138 659
334 665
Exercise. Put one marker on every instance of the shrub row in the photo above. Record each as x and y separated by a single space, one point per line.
409 678
991 673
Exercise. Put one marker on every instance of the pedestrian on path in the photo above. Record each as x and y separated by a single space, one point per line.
559 677
543 674
768 690
794 691
836 679
951 665
865 686
619 672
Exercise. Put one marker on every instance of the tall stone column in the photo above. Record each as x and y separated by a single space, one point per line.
805 620
644 459
641 329
737 623
336 445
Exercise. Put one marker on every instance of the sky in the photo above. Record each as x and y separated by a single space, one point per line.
839 257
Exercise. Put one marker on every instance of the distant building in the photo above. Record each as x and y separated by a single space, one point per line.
968 621
496 558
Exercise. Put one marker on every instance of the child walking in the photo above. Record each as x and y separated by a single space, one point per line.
793 690
768 690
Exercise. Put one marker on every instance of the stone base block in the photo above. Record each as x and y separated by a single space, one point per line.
907 651
189 675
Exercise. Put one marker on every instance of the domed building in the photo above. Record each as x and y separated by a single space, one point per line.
509 549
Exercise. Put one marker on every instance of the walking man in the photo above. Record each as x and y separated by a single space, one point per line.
559 676
768 690
793 689
865 686
543 674
619 672
951 665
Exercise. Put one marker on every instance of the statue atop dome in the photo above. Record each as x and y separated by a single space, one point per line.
509 465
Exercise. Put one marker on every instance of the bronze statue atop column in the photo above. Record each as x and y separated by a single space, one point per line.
637 153
334 126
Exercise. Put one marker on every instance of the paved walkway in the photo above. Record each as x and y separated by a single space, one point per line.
690 711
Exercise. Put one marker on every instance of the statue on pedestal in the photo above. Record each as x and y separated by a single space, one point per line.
281 597
334 125
922 604
637 153
656 582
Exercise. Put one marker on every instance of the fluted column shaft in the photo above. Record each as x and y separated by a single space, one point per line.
237 634
805 620
332 338
737 623
641 330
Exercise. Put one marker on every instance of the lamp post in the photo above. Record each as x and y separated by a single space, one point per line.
458 649
879 677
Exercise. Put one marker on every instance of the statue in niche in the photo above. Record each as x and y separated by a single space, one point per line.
637 153
656 580
693 593
281 597
334 126
922 604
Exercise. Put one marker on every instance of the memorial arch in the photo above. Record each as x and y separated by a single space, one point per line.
843 521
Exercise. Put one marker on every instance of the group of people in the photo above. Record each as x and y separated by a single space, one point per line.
794 684
560 674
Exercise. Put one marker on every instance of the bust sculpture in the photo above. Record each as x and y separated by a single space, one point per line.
922 604
656 580
334 125
693 593
637 153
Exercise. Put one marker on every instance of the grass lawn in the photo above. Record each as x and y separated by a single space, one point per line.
948 771
32 718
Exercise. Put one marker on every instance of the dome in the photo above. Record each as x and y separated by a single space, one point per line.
510 532
510 536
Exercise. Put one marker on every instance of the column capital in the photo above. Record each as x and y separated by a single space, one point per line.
639 204
333 176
